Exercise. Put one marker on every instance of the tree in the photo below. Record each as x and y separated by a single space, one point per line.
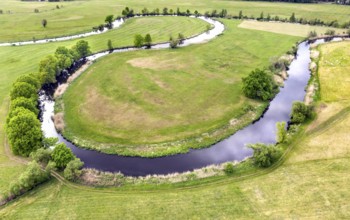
281 132
24 133
44 23
62 155
265 155
32 79
109 45
196 13
300 112
262 16
48 68
109 21
81 49
23 89
312 34
64 58
348 32
259 85
138 40
27 103
165 11
240 15
73 169
292 18
145 11
148 41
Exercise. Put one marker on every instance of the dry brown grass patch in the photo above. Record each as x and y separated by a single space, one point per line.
155 63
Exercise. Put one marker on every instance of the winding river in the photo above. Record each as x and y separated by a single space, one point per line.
231 149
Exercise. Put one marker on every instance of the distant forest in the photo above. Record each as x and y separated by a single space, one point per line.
340 2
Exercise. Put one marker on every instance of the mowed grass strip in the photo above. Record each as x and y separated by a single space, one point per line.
80 16
288 28
148 97
311 187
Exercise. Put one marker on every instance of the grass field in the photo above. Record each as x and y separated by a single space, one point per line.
161 96
81 15
312 183
288 28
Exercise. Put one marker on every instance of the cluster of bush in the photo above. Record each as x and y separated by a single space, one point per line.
22 125
24 128
128 12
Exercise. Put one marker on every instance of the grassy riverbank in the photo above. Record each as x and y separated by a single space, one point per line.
311 183
138 102
80 16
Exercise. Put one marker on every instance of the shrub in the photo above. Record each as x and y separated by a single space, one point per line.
62 155
281 132
22 89
173 42
265 155
73 169
44 23
26 103
330 32
259 85
300 112
24 133
181 38
312 34
229 169
41 155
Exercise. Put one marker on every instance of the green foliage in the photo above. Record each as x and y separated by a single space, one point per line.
62 155
330 32
148 40
138 40
73 169
41 155
265 155
81 49
173 42
50 142
181 38
27 103
312 34
292 18
48 68
31 177
259 85
109 20
300 112
281 132
22 89
24 133
229 169
64 57
32 79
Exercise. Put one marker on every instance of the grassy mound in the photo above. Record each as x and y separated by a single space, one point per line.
126 103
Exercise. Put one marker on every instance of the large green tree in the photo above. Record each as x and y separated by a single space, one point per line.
48 67
138 40
81 49
27 103
24 133
73 169
32 79
62 155
23 89
64 57
259 85
265 155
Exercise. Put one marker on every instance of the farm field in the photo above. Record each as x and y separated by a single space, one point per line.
178 94
80 16
310 183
